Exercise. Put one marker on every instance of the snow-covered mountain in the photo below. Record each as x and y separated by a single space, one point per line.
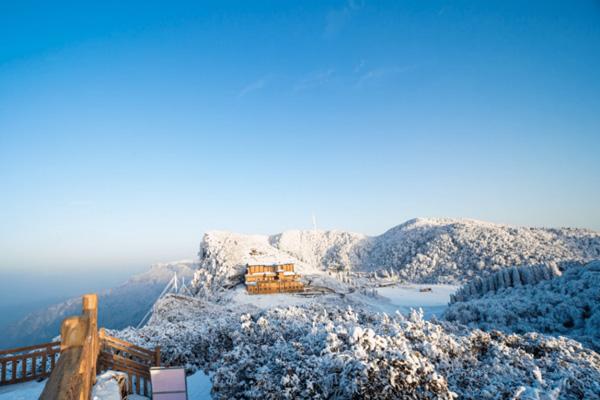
118 307
420 250
336 344
566 305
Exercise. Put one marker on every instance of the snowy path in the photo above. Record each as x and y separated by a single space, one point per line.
405 297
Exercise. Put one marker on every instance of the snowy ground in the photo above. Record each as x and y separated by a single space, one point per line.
264 301
106 388
198 386
405 297
22 391
401 297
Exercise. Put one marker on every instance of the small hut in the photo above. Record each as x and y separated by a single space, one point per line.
264 277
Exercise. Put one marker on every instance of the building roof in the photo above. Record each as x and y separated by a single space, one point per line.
268 260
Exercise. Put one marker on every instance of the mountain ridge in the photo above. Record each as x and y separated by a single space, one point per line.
118 307
420 250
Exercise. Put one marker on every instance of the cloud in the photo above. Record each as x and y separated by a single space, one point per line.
338 18
379 74
252 87
315 80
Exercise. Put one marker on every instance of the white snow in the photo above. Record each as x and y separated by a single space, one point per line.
264 301
565 305
403 298
199 386
22 391
316 351
418 251
107 387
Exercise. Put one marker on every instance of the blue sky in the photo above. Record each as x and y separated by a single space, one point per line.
126 131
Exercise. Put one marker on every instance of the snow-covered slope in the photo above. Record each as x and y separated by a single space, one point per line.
444 250
420 250
318 351
504 279
567 305
118 307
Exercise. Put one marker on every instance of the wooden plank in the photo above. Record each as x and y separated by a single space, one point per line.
124 360
129 384
35 354
118 366
44 364
137 385
28 348
124 366
144 357
23 368
14 370
127 344
126 369
11 358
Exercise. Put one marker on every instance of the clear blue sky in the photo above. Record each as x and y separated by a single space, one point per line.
126 131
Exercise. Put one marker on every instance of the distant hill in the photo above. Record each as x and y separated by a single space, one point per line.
118 307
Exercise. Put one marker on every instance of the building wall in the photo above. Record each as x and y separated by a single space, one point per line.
265 287
272 279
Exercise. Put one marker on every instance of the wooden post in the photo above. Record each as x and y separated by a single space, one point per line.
90 309
75 371
45 361
157 356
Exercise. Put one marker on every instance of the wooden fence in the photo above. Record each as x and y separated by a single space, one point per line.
83 352
28 363
119 355
266 287
73 363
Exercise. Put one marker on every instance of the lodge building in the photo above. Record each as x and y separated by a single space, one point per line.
263 278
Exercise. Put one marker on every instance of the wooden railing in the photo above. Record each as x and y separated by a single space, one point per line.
28 363
276 286
135 361
72 364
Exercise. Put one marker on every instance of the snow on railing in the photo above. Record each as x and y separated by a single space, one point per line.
28 363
